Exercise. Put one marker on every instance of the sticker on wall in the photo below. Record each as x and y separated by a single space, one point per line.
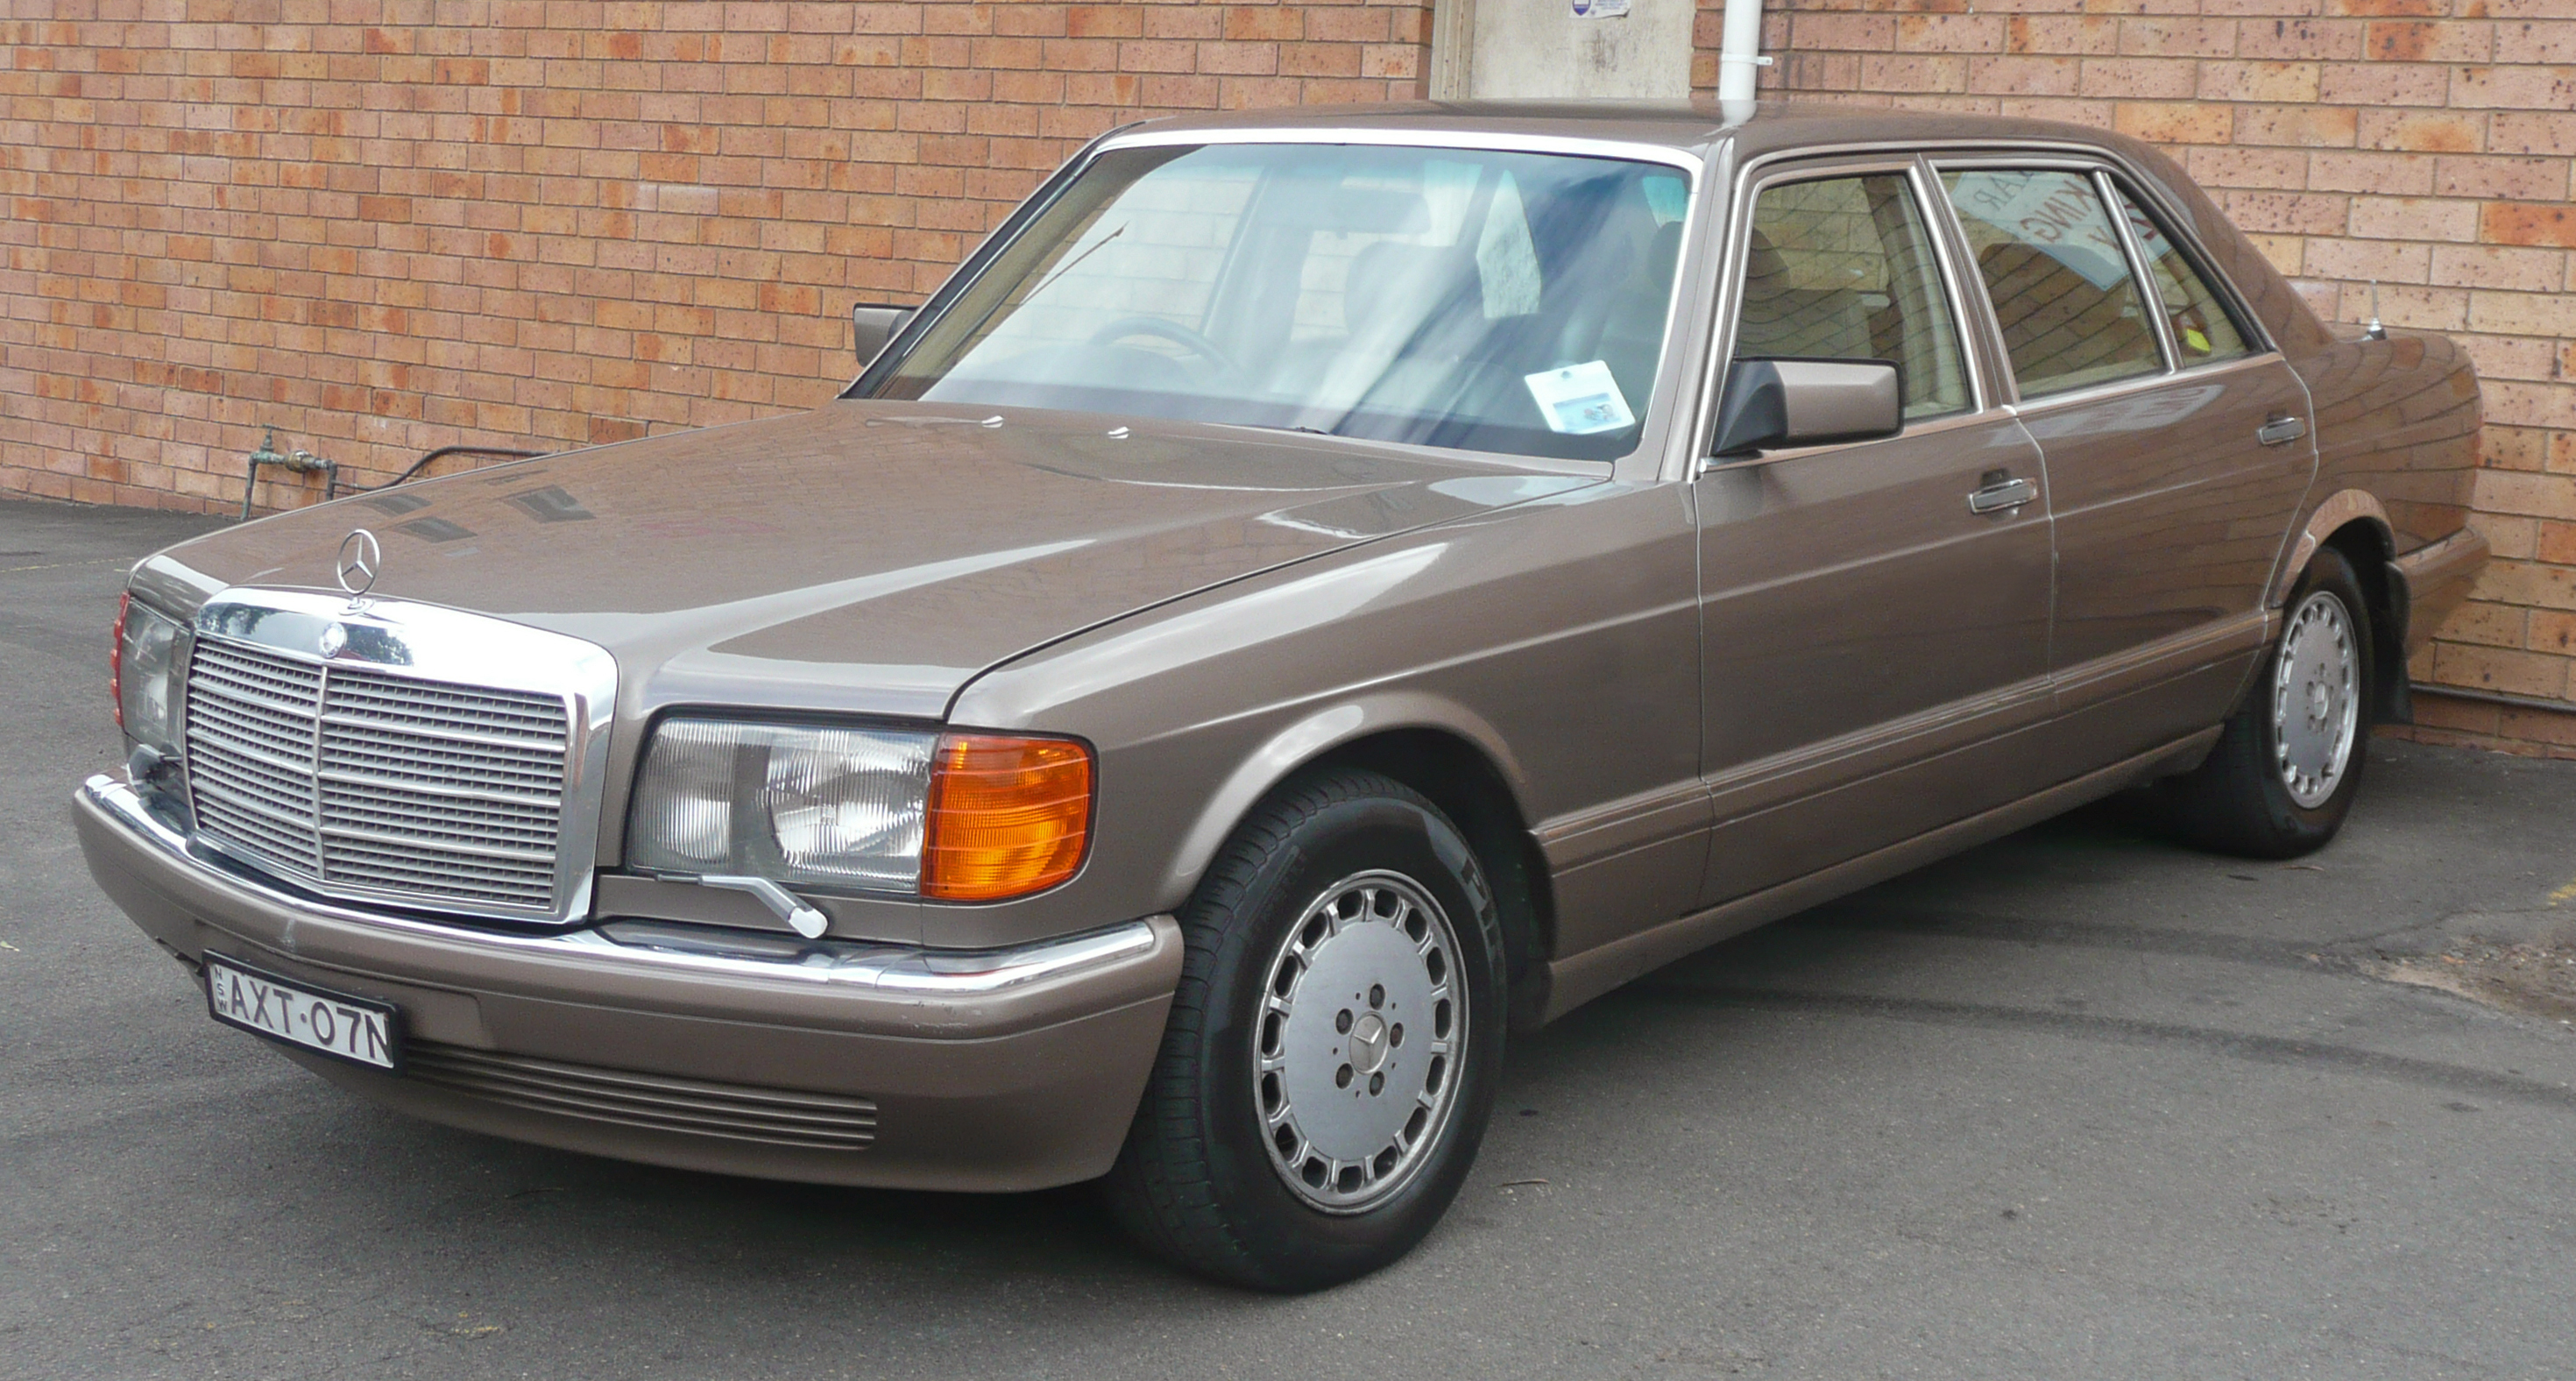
1600 9
1580 399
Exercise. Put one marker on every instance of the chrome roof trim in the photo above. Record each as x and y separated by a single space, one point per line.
1426 137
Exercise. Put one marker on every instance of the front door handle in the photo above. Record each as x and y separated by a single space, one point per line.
2281 429
2000 495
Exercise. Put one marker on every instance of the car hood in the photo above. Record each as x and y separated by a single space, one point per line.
866 556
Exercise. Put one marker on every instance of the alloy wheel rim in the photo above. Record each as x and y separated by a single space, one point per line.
2316 705
1356 1050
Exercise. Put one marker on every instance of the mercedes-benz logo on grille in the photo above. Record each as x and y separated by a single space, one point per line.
360 559
334 637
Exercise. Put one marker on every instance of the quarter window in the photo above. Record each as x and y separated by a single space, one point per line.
2052 261
1842 269
2202 331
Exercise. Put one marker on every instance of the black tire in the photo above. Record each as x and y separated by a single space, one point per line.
2239 801
1196 1182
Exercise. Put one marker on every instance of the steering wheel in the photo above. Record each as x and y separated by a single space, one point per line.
1173 331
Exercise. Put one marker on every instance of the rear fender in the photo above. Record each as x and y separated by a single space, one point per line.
2332 522
2343 507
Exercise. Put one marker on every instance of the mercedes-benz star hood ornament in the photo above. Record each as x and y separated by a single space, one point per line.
360 558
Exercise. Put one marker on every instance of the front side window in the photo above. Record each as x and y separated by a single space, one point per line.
1842 269
1447 297
2052 261
2202 332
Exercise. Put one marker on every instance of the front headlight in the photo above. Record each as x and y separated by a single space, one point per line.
833 806
957 817
140 674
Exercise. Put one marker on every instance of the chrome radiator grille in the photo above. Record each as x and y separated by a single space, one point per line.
365 782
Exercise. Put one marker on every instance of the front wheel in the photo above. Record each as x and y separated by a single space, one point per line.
2289 762
1331 1057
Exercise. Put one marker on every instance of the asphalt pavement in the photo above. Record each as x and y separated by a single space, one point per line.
2078 1104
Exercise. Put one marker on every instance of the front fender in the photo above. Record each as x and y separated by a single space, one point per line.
1558 642
1310 738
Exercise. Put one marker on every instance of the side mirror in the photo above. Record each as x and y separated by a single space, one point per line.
872 325
1774 403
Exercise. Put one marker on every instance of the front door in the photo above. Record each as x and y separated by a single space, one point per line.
2171 437
1874 648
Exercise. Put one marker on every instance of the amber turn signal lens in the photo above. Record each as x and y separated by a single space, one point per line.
1008 816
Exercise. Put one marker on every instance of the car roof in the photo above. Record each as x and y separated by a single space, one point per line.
1697 127
1704 131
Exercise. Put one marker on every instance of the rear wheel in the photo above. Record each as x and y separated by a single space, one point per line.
2289 762
1330 1061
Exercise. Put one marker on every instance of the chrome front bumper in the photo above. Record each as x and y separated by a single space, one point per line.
992 1069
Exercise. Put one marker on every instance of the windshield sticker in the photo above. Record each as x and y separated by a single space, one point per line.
1580 399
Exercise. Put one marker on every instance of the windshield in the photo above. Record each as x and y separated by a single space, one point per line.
1505 302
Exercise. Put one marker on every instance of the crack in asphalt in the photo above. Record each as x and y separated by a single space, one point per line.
63 565
2305 956
2271 1050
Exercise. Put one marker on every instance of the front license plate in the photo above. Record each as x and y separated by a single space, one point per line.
355 1029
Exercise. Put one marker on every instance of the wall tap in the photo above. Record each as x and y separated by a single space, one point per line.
301 461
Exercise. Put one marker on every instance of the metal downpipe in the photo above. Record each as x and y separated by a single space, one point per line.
1739 57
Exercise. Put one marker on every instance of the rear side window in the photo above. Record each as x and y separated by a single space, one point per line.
1842 269
2202 332
2051 258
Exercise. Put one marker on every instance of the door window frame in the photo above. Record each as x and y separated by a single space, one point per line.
2256 342
2093 172
2106 174
1988 375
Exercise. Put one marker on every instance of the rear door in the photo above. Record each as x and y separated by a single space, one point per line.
1874 617
2175 439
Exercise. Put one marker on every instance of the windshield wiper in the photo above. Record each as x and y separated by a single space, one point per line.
1286 427
1067 266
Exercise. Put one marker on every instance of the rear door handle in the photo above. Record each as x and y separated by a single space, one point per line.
2000 495
2281 429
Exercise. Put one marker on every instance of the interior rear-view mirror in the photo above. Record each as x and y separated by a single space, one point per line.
1774 403
873 324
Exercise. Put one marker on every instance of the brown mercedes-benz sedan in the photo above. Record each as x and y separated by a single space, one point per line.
1312 595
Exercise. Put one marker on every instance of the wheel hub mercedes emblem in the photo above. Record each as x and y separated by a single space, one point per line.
1368 1044
360 559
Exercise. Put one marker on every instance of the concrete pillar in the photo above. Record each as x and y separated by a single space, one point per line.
1531 49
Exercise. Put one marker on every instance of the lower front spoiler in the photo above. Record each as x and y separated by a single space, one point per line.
827 1062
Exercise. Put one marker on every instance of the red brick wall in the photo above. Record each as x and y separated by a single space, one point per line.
387 225
2428 144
